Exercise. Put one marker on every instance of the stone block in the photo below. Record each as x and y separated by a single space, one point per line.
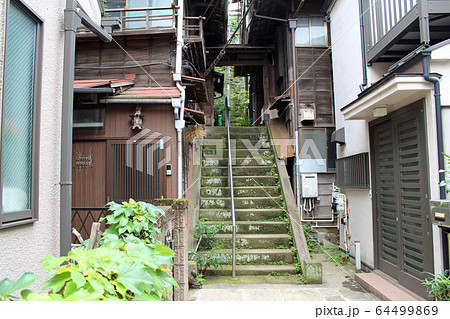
175 203
179 236
180 293
312 271
180 274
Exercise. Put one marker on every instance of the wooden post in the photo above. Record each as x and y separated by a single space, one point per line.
96 234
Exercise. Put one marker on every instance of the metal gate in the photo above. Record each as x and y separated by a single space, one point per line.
403 241
133 171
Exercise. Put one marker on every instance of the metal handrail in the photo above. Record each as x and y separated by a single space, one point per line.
145 17
230 176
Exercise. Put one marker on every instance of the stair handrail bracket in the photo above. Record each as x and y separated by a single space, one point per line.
230 178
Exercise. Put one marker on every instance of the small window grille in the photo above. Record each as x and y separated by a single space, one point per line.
353 171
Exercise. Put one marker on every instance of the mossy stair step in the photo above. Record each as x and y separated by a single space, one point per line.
254 241
257 256
238 152
236 129
238 135
236 143
241 202
252 214
222 181
253 227
241 161
239 171
243 191
253 270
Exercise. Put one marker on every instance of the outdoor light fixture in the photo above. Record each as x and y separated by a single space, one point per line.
136 119
292 23
380 111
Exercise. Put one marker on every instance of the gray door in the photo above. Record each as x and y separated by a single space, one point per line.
403 242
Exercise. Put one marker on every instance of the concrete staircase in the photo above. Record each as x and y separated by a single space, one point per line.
262 237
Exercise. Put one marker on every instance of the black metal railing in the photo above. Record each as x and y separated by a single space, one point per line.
84 217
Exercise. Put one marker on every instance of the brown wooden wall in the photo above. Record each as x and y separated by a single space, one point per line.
90 184
315 83
128 51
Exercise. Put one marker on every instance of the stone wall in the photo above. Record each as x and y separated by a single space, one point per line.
175 225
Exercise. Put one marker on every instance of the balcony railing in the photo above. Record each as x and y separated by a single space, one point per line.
144 18
408 23
193 29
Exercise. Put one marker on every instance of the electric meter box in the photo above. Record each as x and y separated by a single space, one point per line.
307 115
310 188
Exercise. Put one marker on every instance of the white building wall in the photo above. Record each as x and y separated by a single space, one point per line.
91 8
22 247
347 76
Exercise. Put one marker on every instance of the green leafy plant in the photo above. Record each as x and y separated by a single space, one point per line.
8 286
205 234
130 263
200 279
438 286
340 258
205 260
138 219
117 270
446 182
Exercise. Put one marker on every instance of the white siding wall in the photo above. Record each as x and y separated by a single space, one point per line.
21 248
347 76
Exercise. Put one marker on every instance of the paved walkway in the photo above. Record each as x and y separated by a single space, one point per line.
337 285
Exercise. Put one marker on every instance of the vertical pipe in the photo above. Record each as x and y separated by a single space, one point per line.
438 107
294 97
71 22
357 255
179 124
363 85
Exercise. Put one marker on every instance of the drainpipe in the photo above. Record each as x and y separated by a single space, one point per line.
179 122
437 103
73 18
363 85
294 96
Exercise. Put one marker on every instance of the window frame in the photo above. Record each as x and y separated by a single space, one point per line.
310 45
30 215
328 144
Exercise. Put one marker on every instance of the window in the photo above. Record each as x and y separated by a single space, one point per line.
317 152
20 114
353 171
91 119
311 31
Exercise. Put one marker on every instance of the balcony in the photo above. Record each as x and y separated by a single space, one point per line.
153 19
395 28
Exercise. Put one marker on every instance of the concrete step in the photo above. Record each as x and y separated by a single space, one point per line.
236 129
244 191
257 256
253 227
238 152
239 135
242 161
222 181
242 214
237 142
253 270
239 171
385 288
241 202
254 241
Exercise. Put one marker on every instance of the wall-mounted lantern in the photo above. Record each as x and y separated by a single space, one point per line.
137 119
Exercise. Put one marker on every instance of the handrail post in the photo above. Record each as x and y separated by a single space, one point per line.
233 217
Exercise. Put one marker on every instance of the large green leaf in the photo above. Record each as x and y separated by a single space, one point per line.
78 279
7 286
57 282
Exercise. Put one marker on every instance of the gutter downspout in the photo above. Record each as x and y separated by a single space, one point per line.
180 123
294 95
363 85
437 103
73 18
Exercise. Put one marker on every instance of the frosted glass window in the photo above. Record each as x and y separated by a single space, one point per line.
17 126
317 30
302 32
310 31
156 18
